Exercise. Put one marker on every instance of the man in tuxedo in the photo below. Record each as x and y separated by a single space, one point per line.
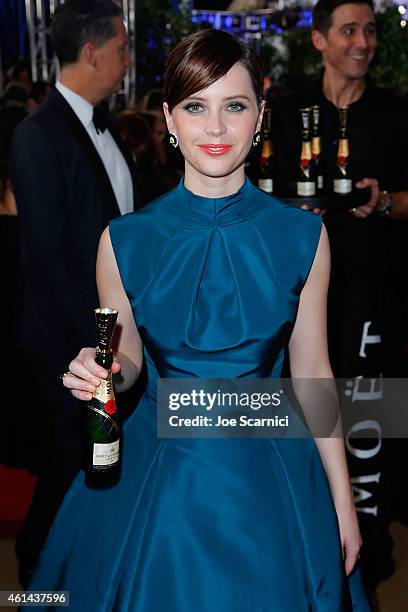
71 176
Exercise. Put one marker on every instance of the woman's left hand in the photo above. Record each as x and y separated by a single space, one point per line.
349 536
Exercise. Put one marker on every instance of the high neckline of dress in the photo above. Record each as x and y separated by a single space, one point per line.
217 211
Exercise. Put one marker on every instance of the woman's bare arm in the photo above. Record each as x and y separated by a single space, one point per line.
86 373
309 360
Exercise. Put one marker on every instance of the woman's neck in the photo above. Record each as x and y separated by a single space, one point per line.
213 186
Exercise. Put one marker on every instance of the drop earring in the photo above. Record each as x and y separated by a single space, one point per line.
173 140
256 138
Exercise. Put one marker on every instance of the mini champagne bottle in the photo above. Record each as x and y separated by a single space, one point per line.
317 146
103 430
265 181
306 184
342 183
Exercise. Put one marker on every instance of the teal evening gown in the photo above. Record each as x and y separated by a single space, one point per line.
207 525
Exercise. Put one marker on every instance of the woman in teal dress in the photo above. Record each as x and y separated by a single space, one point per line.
212 279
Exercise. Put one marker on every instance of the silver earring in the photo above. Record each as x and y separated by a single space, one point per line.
256 138
173 140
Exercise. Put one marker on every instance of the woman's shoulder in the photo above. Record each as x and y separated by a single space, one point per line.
276 214
289 236
145 215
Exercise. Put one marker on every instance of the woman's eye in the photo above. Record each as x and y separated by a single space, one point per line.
193 107
236 106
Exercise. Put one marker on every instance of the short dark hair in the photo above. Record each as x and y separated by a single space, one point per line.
324 9
77 22
204 57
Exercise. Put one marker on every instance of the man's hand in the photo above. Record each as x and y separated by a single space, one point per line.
361 212
316 211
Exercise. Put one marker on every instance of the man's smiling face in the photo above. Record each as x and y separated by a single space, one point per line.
349 45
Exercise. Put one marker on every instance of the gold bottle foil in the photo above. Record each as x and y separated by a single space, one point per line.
103 400
343 150
267 151
105 327
316 146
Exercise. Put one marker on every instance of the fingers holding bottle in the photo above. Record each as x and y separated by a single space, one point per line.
85 375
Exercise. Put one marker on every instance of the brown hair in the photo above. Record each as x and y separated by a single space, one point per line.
204 57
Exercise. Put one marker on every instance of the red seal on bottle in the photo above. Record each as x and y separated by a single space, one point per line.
110 407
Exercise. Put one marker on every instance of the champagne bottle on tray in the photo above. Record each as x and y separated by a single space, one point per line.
306 182
342 183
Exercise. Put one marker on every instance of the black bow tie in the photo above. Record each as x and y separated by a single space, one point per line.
100 117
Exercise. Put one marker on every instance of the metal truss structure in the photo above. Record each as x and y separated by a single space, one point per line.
43 63
37 17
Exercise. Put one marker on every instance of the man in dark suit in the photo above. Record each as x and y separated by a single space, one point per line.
71 175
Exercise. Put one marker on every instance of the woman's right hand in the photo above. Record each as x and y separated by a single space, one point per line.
85 374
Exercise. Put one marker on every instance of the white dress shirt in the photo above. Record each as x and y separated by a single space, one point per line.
109 152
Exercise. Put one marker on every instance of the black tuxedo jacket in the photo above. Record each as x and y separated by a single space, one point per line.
64 200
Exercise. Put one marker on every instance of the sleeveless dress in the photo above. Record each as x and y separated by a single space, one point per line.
207 525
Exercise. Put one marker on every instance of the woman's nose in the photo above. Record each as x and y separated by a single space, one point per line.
215 125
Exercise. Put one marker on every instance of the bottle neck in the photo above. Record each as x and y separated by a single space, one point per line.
316 146
343 150
306 150
104 358
267 150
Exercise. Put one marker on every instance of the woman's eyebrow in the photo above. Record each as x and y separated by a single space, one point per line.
200 99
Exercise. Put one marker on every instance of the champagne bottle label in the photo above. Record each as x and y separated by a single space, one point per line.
306 188
342 185
266 185
105 454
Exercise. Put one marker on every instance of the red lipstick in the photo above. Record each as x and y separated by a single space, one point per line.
215 149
